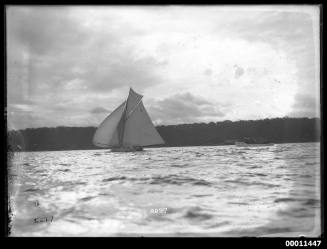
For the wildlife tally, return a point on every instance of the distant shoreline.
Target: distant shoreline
(277, 131)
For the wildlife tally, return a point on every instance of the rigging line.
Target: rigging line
(121, 124)
(131, 112)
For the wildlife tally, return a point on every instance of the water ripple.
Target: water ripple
(182, 191)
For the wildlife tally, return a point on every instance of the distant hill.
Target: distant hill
(277, 130)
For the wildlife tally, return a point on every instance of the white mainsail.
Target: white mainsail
(139, 129)
(128, 125)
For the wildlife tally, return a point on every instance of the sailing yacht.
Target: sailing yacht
(128, 127)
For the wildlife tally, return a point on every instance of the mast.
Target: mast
(128, 105)
(121, 126)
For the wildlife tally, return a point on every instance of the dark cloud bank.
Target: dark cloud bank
(184, 108)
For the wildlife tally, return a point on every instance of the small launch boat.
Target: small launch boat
(128, 128)
(243, 144)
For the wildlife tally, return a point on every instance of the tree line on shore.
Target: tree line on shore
(277, 130)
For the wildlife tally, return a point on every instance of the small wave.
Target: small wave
(168, 179)
(278, 200)
(80, 183)
(297, 158)
(66, 212)
(114, 179)
(306, 176)
(239, 152)
(65, 164)
(87, 198)
(178, 180)
(107, 194)
(64, 170)
(252, 183)
(300, 212)
(308, 184)
(69, 184)
(277, 230)
(258, 231)
(311, 202)
(31, 190)
(219, 224)
(201, 195)
(196, 213)
(180, 165)
(259, 174)
(238, 203)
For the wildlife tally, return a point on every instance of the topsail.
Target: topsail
(128, 125)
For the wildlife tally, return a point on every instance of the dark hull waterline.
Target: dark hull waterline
(126, 149)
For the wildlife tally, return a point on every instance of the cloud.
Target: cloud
(56, 57)
(183, 108)
(49, 47)
(305, 105)
(98, 110)
(65, 61)
(45, 31)
(239, 71)
(294, 31)
(74, 84)
(208, 72)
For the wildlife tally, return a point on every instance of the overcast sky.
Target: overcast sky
(71, 66)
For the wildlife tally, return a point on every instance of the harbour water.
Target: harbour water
(218, 191)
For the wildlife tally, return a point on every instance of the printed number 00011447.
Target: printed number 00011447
(315, 243)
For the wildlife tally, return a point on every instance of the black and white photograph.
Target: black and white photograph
(163, 120)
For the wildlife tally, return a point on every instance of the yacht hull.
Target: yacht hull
(126, 149)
